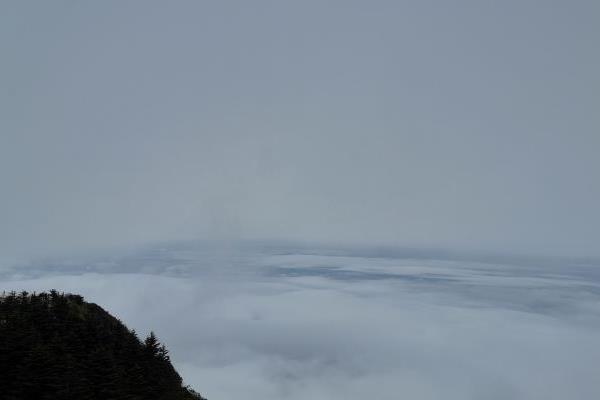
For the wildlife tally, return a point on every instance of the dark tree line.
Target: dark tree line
(57, 346)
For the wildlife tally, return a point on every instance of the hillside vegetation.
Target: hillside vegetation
(57, 346)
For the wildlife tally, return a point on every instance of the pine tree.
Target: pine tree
(57, 346)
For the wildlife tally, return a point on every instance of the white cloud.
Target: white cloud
(492, 332)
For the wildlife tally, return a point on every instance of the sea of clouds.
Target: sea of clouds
(268, 322)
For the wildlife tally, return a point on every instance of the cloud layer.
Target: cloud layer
(309, 325)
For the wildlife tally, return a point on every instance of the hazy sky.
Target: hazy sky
(466, 124)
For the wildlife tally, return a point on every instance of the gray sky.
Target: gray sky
(468, 125)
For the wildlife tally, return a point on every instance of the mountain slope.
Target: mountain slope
(57, 346)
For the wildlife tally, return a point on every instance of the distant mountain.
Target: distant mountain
(57, 346)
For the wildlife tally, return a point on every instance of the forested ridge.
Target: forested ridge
(57, 346)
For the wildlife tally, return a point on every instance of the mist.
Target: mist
(465, 126)
(315, 199)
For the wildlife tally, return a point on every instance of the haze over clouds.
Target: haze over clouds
(262, 183)
(301, 324)
(462, 125)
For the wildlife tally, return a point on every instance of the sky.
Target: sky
(287, 193)
(463, 125)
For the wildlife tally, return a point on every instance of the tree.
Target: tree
(57, 346)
